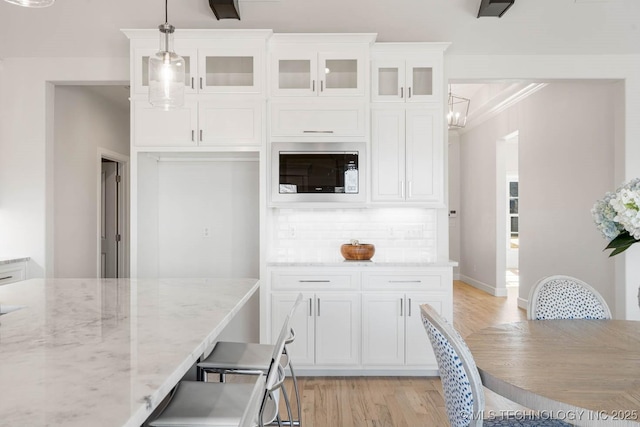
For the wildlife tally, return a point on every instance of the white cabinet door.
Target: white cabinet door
(337, 329)
(424, 157)
(388, 81)
(303, 323)
(407, 155)
(295, 74)
(230, 70)
(140, 69)
(418, 347)
(342, 74)
(311, 120)
(405, 81)
(388, 155)
(383, 328)
(154, 127)
(230, 123)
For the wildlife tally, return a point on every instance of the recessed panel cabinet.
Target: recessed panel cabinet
(204, 123)
(405, 81)
(327, 327)
(407, 155)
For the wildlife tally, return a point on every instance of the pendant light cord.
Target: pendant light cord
(166, 11)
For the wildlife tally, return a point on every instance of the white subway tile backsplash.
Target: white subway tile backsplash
(400, 234)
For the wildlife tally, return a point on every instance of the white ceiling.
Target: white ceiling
(92, 27)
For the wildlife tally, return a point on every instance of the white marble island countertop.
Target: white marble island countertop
(91, 352)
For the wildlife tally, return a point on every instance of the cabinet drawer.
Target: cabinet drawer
(312, 120)
(12, 273)
(403, 281)
(315, 280)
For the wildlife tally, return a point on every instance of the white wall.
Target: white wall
(178, 198)
(85, 121)
(208, 219)
(454, 200)
(26, 149)
(566, 163)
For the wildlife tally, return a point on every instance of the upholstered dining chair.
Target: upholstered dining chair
(229, 357)
(565, 297)
(204, 404)
(461, 383)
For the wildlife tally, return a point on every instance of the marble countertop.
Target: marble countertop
(105, 352)
(12, 260)
(360, 264)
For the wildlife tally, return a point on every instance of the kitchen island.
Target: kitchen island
(105, 352)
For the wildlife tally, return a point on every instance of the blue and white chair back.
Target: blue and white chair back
(461, 383)
(565, 297)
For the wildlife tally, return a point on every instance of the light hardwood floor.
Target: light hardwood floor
(404, 401)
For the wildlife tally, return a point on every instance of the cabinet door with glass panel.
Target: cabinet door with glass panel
(405, 81)
(318, 74)
(211, 70)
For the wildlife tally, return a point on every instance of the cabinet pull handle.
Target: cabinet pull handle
(409, 189)
(7, 277)
(321, 85)
(313, 85)
(401, 310)
(402, 92)
(192, 83)
(310, 307)
(318, 307)
(317, 131)
(314, 281)
(200, 83)
(409, 92)
(193, 135)
(200, 135)
(405, 281)
(402, 189)
(409, 308)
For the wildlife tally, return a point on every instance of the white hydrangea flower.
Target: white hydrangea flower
(626, 203)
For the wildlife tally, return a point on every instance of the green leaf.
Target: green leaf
(621, 243)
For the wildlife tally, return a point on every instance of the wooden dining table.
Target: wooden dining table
(586, 372)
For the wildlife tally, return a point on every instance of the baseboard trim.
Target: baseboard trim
(311, 372)
(523, 303)
(491, 290)
(456, 276)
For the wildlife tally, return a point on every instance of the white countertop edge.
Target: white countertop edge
(13, 260)
(156, 398)
(360, 264)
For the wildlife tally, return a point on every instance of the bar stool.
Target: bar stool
(251, 358)
(203, 404)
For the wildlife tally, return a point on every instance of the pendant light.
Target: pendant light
(458, 111)
(32, 3)
(166, 71)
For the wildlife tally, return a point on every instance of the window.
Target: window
(513, 215)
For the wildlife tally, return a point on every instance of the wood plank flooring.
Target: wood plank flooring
(404, 401)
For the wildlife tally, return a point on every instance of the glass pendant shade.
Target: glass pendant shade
(32, 3)
(166, 73)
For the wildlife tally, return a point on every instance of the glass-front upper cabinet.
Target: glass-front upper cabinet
(211, 70)
(318, 74)
(404, 81)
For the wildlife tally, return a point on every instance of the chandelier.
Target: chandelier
(458, 111)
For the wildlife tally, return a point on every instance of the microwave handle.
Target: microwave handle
(317, 131)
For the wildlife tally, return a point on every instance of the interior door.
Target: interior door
(109, 216)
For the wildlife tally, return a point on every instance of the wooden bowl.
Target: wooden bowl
(360, 252)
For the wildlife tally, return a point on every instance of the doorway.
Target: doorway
(112, 211)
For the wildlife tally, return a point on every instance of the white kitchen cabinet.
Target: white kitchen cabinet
(211, 66)
(319, 65)
(407, 72)
(312, 73)
(205, 123)
(327, 326)
(392, 330)
(13, 272)
(326, 120)
(405, 81)
(407, 155)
